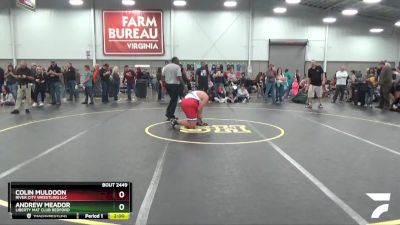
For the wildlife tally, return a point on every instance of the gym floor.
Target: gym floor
(258, 164)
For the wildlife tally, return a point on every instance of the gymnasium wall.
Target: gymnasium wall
(5, 39)
(203, 30)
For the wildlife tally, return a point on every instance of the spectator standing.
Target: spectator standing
(350, 82)
(186, 82)
(2, 78)
(105, 74)
(33, 69)
(25, 80)
(260, 78)
(385, 82)
(315, 78)
(11, 81)
(160, 85)
(341, 83)
(40, 87)
(33, 72)
(202, 78)
(270, 80)
(289, 79)
(96, 81)
(372, 82)
(88, 85)
(130, 78)
(139, 74)
(115, 82)
(71, 84)
(280, 86)
(172, 76)
(54, 77)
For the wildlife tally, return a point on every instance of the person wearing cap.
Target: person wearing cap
(54, 73)
(105, 73)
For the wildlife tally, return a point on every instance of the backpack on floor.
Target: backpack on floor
(300, 98)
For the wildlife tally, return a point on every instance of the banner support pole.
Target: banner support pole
(93, 26)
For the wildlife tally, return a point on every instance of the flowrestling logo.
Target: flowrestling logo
(379, 197)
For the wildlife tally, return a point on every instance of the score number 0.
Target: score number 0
(121, 194)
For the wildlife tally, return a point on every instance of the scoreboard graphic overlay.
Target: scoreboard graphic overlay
(70, 200)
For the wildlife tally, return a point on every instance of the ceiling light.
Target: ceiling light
(230, 3)
(350, 12)
(280, 10)
(371, 1)
(128, 2)
(329, 19)
(376, 30)
(179, 3)
(293, 1)
(76, 2)
(397, 23)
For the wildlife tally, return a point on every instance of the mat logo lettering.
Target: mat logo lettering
(218, 129)
(379, 197)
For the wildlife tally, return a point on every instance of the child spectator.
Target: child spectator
(6, 97)
(295, 87)
(220, 95)
(243, 95)
(232, 94)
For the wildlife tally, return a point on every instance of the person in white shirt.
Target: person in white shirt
(341, 83)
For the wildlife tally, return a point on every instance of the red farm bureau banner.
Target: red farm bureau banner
(138, 33)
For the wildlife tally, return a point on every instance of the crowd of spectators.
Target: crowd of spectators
(30, 85)
(379, 84)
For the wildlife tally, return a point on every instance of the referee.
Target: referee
(172, 76)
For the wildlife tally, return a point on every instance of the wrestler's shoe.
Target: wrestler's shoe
(174, 122)
(200, 123)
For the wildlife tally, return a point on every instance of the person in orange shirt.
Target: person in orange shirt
(96, 81)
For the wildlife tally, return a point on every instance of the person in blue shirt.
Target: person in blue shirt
(289, 79)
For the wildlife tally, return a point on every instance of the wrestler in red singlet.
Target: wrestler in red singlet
(192, 105)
